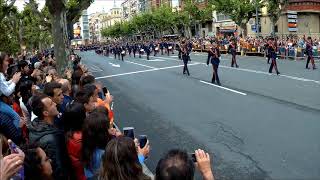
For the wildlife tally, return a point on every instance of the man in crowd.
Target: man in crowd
(177, 164)
(51, 139)
(54, 91)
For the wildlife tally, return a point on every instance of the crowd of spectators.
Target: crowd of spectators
(286, 46)
(61, 126)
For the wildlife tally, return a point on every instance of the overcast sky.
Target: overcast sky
(96, 6)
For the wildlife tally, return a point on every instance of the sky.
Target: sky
(96, 6)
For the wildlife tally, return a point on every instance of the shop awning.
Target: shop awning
(227, 30)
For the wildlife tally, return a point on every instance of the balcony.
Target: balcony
(312, 6)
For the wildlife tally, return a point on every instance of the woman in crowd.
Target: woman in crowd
(37, 166)
(120, 161)
(73, 119)
(7, 87)
(95, 137)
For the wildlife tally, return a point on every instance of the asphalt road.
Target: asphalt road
(258, 126)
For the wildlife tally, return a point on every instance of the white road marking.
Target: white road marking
(228, 89)
(174, 56)
(266, 73)
(148, 70)
(168, 58)
(141, 65)
(269, 74)
(114, 65)
(95, 67)
(156, 60)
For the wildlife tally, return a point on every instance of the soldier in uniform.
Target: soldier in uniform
(161, 47)
(146, 48)
(123, 52)
(134, 49)
(273, 56)
(213, 57)
(233, 51)
(310, 54)
(129, 47)
(185, 58)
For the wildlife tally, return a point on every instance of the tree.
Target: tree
(274, 8)
(59, 10)
(240, 11)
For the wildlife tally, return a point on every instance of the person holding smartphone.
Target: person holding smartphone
(11, 164)
(177, 164)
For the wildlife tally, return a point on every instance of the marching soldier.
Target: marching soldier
(273, 56)
(233, 51)
(161, 47)
(310, 54)
(213, 57)
(134, 49)
(185, 58)
(123, 52)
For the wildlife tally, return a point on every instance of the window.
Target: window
(276, 28)
(222, 17)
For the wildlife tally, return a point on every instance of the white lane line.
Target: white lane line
(155, 60)
(269, 74)
(95, 67)
(114, 65)
(168, 58)
(141, 65)
(228, 89)
(136, 72)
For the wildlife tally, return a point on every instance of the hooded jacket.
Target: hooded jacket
(52, 141)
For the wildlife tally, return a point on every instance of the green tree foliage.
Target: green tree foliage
(240, 11)
(8, 36)
(274, 8)
(159, 21)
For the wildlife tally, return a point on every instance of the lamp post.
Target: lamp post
(257, 19)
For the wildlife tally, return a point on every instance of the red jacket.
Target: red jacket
(74, 145)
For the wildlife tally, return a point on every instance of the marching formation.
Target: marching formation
(184, 47)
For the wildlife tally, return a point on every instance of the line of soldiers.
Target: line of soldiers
(121, 49)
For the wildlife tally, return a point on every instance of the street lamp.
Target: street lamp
(257, 20)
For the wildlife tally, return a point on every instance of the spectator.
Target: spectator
(7, 87)
(37, 166)
(74, 117)
(23, 67)
(54, 91)
(120, 161)
(9, 120)
(10, 165)
(87, 98)
(51, 139)
(176, 164)
(95, 137)
(66, 91)
(88, 79)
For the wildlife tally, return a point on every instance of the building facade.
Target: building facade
(298, 18)
(130, 8)
(84, 27)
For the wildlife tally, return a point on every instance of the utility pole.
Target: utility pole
(257, 19)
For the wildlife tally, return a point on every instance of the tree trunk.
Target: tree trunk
(70, 30)
(244, 28)
(60, 39)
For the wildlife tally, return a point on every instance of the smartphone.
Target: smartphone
(13, 148)
(128, 132)
(105, 90)
(143, 140)
(193, 157)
